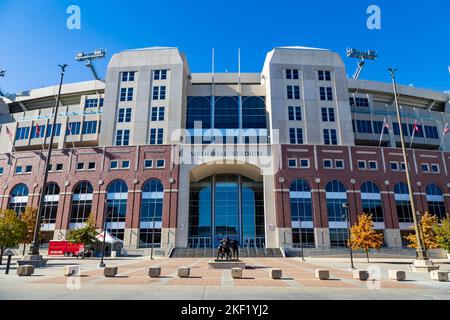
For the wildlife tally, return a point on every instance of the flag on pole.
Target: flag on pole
(38, 135)
(10, 135)
(415, 130)
(385, 126)
(444, 134)
(69, 127)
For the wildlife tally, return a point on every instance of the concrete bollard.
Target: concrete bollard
(71, 271)
(276, 273)
(236, 273)
(362, 275)
(154, 272)
(439, 276)
(25, 270)
(397, 275)
(110, 272)
(322, 274)
(184, 272)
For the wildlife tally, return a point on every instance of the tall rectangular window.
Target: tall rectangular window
(124, 115)
(328, 115)
(122, 137)
(128, 76)
(293, 92)
(159, 93)
(126, 94)
(158, 113)
(324, 75)
(160, 75)
(329, 137)
(156, 136)
(295, 113)
(292, 74)
(326, 93)
(296, 135)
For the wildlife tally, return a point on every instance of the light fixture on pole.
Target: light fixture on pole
(346, 216)
(2, 73)
(362, 56)
(422, 262)
(89, 57)
(34, 256)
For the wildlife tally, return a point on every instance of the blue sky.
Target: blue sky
(34, 37)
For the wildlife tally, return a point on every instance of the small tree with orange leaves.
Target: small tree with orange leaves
(363, 235)
(427, 232)
(29, 218)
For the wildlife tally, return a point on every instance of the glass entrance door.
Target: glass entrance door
(226, 208)
(226, 205)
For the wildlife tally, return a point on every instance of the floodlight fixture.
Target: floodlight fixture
(2, 73)
(362, 56)
(89, 57)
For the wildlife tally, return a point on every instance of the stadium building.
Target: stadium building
(184, 159)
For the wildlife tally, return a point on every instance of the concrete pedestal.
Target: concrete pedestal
(424, 266)
(36, 261)
(226, 264)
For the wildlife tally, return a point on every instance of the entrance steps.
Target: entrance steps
(244, 252)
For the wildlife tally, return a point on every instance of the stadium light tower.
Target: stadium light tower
(2, 74)
(362, 56)
(89, 57)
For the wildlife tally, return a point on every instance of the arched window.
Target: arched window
(226, 113)
(18, 198)
(81, 202)
(151, 213)
(402, 203)
(198, 110)
(51, 201)
(435, 201)
(301, 213)
(371, 201)
(117, 208)
(336, 195)
(254, 113)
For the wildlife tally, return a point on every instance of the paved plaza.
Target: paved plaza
(298, 281)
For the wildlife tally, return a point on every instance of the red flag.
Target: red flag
(416, 127)
(446, 129)
(38, 131)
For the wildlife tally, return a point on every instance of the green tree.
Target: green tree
(86, 235)
(443, 234)
(29, 218)
(12, 230)
(363, 235)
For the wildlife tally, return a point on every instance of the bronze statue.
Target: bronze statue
(224, 249)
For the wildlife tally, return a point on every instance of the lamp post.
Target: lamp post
(281, 180)
(346, 216)
(105, 218)
(300, 236)
(34, 248)
(153, 237)
(421, 253)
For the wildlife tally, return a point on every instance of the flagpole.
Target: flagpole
(34, 248)
(382, 132)
(421, 253)
(10, 138)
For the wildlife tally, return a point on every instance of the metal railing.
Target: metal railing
(199, 242)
